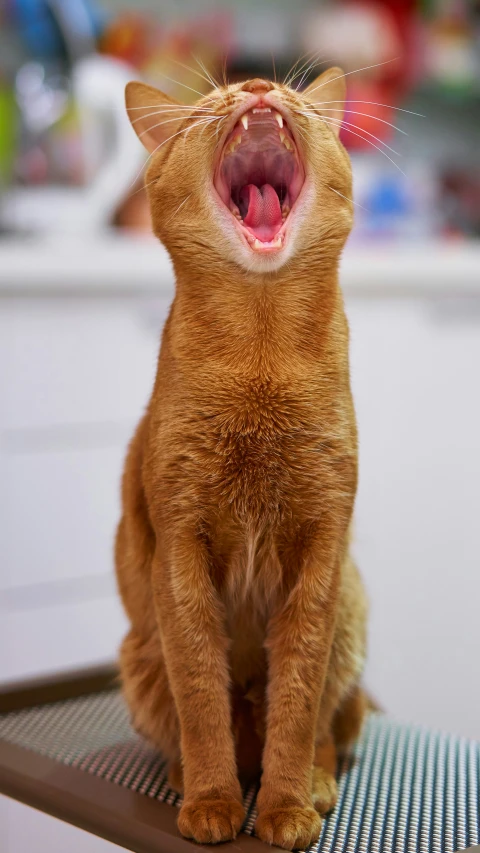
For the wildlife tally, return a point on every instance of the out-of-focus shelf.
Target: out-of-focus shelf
(130, 265)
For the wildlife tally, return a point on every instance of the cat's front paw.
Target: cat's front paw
(211, 821)
(292, 827)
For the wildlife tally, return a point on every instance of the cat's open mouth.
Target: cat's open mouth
(259, 177)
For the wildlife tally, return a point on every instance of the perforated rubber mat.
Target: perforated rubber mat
(403, 789)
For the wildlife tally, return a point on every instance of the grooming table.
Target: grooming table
(67, 748)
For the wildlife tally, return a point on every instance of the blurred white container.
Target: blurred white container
(98, 87)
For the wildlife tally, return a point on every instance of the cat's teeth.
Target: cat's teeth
(279, 119)
(244, 120)
(272, 244)
(261, 110)
(285, 140)
(233, 144)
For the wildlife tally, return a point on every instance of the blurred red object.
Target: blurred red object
(132, 38)
(374, 43)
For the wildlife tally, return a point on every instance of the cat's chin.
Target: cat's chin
(258, 180)
(260, 260)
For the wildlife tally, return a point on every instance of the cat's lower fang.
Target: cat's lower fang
(233, 144)
(285, 141)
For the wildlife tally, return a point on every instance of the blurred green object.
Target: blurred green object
(8, 133)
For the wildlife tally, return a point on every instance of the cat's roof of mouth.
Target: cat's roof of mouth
(260, 175)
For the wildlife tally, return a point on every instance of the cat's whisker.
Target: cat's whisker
(224, 70)
(372, 103)
(178, 208)
(379, 149)
(273, 66)
(144, 186)
(194, 71)
(206, 123)
(179, 83)
(220, 119)
(313, 58)
(217, 128)
(304, 75)
(160, 106)
(367, 115)
(334, 123)
(347, 198)
(305, 68)
(348, 124)
(302, 133)
(355, 71)
(176, 107)
(169, 120)
(316, 61)
(164, 142)
(291, 70)
(209, 76)
(183, 116)
(300, 64)
(342, 123)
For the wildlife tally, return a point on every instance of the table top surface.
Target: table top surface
(67, 748)
(119, 262)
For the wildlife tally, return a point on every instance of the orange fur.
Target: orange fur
(247, 612)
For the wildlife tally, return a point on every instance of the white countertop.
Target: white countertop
(131, 264)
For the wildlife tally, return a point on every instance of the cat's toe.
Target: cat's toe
(292, 828)
(324, 790)
(211, 821)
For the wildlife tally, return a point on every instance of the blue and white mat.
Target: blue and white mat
(403, 789)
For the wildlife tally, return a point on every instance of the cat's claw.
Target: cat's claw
(292, 828)
(211, 821)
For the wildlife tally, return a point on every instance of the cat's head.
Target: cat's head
(253, 173)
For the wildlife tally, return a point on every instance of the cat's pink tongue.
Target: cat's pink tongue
(264, 215)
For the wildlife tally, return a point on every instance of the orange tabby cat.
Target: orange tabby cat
(247, 613)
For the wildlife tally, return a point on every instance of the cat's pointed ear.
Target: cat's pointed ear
(152, 114)
(328, 92)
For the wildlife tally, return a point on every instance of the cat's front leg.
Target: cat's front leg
(195, 647)
(298, 644)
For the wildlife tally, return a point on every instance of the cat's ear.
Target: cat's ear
(152, 114)
(329, 91)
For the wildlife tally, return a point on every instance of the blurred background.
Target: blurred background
(85, 289)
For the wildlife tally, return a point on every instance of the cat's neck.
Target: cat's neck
(253, 323)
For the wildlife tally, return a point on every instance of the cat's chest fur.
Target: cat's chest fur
(264, 440)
